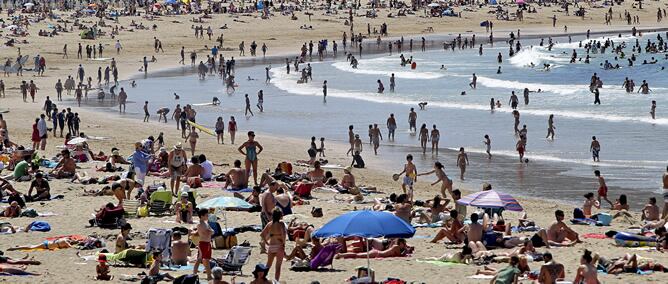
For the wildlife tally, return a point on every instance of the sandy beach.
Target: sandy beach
(284, 39)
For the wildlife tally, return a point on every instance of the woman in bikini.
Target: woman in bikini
(446, 182)
(275, 235)
(192, 139)
(232, 128)
(251, 149)
(62, 243)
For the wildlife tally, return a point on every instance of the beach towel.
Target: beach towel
(439, 263)
(213, 184)
(480, 277)
(594, 236)
(39, 226)
(188, 267)
(516, 229)
(428, 225)
(233, 190)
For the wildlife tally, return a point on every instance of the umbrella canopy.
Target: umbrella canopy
(366, 224)
(491, 199)
(29, 4)
(170, 2)
(76, 140)
(224, 202)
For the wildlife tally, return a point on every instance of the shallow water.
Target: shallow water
(634, 152)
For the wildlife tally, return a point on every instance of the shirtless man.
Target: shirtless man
(391, 127)
(595, 148)
(412, 120)
(454, 232)
(602, 188)
(180, 250)
(665, 194)
(122, 98)
(204, 247)
(514, 101)
(122, 238)
(586, 273)
(410, 178)
(550, 127)
(236, 177)
(462, 162)
(66, 168)
(376, 136)
(434, 137)
(650, 212)
(474, 231)
(559, 234)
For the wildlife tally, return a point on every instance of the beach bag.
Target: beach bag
(304, 190)
(316, 212)
(142, 211)
(578, 214)
(39, 226)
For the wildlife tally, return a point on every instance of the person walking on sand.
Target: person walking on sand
(220, 130)
(434, 137)
(147, 115)
(462, 162)
(488, 146)
(232, 128)
(595, 148)
(251, 149)
(391, 127)
(351, 139)
(376, 136)
(410, 177)
(204, 232)
(550, 127)
(192, 139)
(602, 192)
(248, 106)
(412, 120)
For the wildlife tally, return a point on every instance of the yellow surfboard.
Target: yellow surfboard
(202, 128)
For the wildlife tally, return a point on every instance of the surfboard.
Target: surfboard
(202, 128)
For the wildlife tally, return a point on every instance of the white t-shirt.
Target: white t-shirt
(208, 170)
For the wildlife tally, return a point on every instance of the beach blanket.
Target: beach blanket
(480, 277)
(213, 184)
(594, 236)
(232, 190)
(188, 267)
(439, 263)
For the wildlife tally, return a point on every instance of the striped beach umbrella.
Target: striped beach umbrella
(491, 199)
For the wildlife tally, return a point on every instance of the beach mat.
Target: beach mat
(213, 184)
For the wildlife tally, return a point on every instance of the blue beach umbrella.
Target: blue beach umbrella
(225, 202)
(170, 2)
(366, 224)
(491, 199)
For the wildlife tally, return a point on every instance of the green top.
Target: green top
(21, 169)
(506, 275)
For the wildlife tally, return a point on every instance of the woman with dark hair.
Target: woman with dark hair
(446, 182)
(275, 235)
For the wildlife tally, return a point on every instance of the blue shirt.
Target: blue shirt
(140, 160)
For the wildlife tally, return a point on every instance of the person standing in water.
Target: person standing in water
(248, 106)
(381, 88)
(260, 100)
(462, 162)
(513, 102)
(488, 146)
(526, 96)
(602, 188)
(474, 81)
(147, 115)
(392, 83)
(412, 119)
(652, 110)
(434, 136)
(597, 98)
(595, 148)
(251, 149)
(424, 137)
(550, 127)
(516, 115)
(324, 90)
(391, 127)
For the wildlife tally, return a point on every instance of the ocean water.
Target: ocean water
(634, 150)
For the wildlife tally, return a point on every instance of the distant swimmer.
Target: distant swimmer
(176, 97)
(652, 110)
(422, 105)
(215, 101)
(550, 127)
(381, 88)
(595, 148)
(133, 84)
(488, 146)
(463, 93)
(498, 71)
(474, 81)
(443, 67)
(412, 119)
(250, 79)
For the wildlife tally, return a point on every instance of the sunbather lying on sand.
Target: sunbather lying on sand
(397, 250)
(62, 243)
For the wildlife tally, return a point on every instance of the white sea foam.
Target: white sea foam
(384, 67)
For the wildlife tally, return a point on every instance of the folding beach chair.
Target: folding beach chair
(236, 258)
(130, 207)
(160, 202)
(325, 256)
(160, 239)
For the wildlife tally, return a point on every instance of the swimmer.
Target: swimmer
(133, 84)
(176, 97)
(215, 101)
(422, 105)
(250, 79)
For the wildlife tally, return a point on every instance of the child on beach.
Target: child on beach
(589, 202)
(154, 271)
(102, 268)
(204, 247)
(411, 177)
(322, 147)
(602, 188)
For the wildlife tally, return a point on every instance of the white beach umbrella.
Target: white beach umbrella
(29, 4)
(77, 140)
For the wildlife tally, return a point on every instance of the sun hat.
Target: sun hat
(102, 258)
(184, 194)
(115, 153)
(348, 169)
(260, 268)
(178, 146)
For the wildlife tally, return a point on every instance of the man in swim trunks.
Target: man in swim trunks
(411, 177)
(602, 188)
(204, 247)
(42, 188)
(412, 120)
(376, 136)
(595, 148)
(391, 127)
(559, 234)
(351, 139)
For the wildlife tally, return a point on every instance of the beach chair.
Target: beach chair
(236, 258)
(160, 202)
(160, 239)
(325, 256)
(108, 218)
(130, 207)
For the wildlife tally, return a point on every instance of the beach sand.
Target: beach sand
(283, 37)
